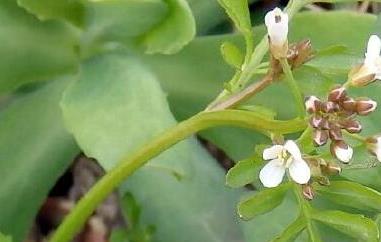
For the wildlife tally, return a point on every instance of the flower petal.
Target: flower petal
(276, 22)
(272, 173)
(293, 149)
(373, 49)
(272, 152)
(300, 172)
(344, 154)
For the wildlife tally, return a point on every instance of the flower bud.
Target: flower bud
(365, 106)
(318, 121)
(308, 192)
(331, 169)
(299, 53)
(374, 146)
(335, 133)
(329, 107)
(320, 137)
(312, 104)
(349, 105)
(341, 151)
(337, 94)
(276, 22)
(350, 125)
(360, 76)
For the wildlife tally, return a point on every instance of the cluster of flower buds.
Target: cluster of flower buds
(329, 118)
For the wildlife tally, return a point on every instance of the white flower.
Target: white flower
(370, 70)
(277, 26)
(284, 157)
(374, 146)
(372, 60)
(342, 151)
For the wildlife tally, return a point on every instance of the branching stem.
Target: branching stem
(75, 220)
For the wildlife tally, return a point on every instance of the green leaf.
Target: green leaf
(356, 226)
(262, 202)
(244, 172)
(35, 149)
(238, 11)
(70, 10)
(292, 231)
(232, 54)
(351, 194)
(116, 107)
(174, 32)
(33, 50)
(120, 20)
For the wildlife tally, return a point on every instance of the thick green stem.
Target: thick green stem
(293, 87)
(75, 220)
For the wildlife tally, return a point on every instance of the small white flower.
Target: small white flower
(342, 151)
(374, 146)
(372, 56)
(370, 70)
(284, 157)
(277, 26)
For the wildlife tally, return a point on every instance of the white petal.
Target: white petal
(345, 155)
(272, 173)
(299, 171)
(293, 149)
(272, 152)
(374, 48)
(277, 31)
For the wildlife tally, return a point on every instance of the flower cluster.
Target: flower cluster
(338, 113)
(329, 119)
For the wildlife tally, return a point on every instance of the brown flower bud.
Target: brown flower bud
(350, 125)
(308, 192)
(323, 180)
(337, 94)
(365, 106)
(329, 107)
(312, 104)
(300, 53)
(335, 133)
(319, 122)
(320, 137)
(349, 104)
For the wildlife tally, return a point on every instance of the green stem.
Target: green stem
(250, 66)
(293, 87)
(305, 209)
(75, 220)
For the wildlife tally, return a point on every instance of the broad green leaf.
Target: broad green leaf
(110, 128)
(35, 149)
(351, 194)
(120, 20)
(232, 54)
(174, 32)
(32, 50)
(262, 202)
(355, 225)
(70, 10)
(238, 11)
(292, 231)
(244, 172)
